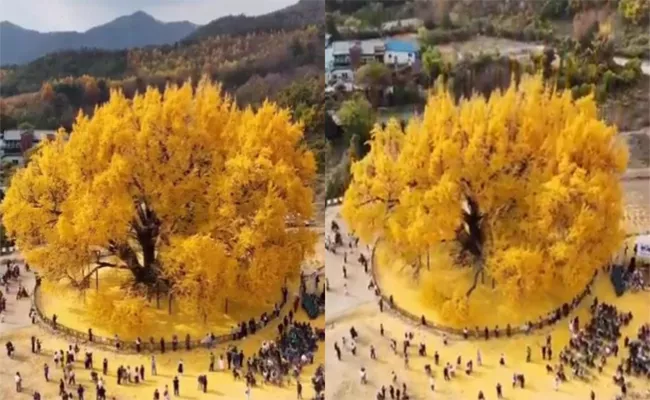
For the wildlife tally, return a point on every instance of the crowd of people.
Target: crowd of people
(588, 349)
(11, 274)
(276, 362)
(638, 360)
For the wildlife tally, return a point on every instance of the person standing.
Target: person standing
(499, 391)
(180, 367)
(299, 390)
(176, 385)
(105, 366)
(46, 372)
(80, 392)
(211, 369)
(154, 370)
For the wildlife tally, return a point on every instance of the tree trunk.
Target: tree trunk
(226, 306)
(169, 306)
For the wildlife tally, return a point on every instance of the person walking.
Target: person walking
(154, 370)
(19, 382)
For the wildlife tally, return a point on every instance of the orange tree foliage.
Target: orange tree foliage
(526, 183)
(187, 191)
(232, 60)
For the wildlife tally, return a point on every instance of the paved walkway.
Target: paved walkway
(338, 303)
(17, 312)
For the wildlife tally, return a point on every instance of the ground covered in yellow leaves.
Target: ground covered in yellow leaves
(220, 384)
(343, 377)
(432, 293)
(139, 318)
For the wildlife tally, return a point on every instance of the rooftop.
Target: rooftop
(14, 134)
(401, 46)
(367, 46)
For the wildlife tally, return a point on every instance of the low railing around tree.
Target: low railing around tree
(547, 320)
(151, 344)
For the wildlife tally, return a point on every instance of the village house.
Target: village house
(16, 143)
(400, 52)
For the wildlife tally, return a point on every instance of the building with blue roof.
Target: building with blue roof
(400, 52)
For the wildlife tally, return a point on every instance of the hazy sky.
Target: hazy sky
(80, 15)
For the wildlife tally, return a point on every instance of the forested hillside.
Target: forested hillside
(285, 65)
(230, 59)
(296, 16)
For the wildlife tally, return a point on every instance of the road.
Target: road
(338, 303)
(17, 313)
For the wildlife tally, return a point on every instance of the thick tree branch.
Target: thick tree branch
(476, 275)
(99, 265)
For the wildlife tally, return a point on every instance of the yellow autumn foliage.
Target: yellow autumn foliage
(183, 189)
(542, 168)
(125, 316)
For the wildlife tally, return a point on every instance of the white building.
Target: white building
(400, 52)
(412, 23)
(16, 142)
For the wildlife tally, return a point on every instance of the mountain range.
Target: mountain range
(295, 16)
(19, 45)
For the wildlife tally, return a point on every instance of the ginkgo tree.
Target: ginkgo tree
(183, 189)
(523, 185)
